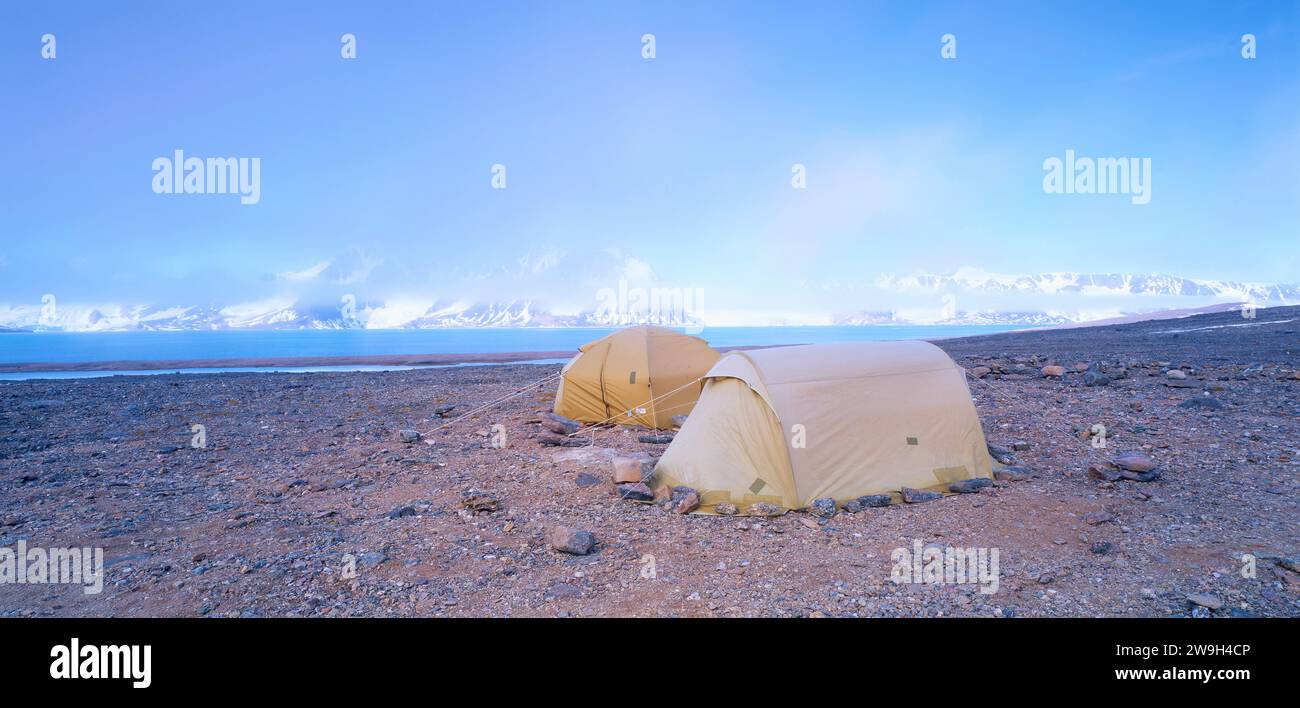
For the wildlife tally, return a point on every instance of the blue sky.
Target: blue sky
(375, 172)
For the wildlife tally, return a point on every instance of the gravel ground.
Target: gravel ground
(305, 501)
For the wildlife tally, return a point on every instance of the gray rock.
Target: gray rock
(560, 425)
(678, 421)
(1001, 454)
(402, 511)
(586, 479)
(569, 540)
(559, 591)
(1101, 548)
(917, 496)
(635, 491)
(764, 509)
(655, 439)
(409, 436)
(1013, 473)
(824, 507)
(1094, 518)
(1206, 600)
(725, 509)
(372, 560)
(1134, 462)
(552, 441)
(970, 486)
(685, 500)
(852, 506)
(1205, 401)
(1095, 378)
(1105, 473)
(1147, 476)
(875, 500)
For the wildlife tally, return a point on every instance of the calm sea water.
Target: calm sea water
(152, 346)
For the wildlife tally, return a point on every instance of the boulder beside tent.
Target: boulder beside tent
(788, 425)
(635, 376)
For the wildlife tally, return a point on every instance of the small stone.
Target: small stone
(980, 372)
(1020, 446)
(1205, 401)
(560, 425)
(479, 503)
(1095, 378)
(586, 479)
(763, 509)
(371, 560)
(725, 509)
(1104, 472)
(561, 591)
(852, 506)
(685, 500)
(637, 492)
(1050, 371)
(970, 486)
(554, 441)
(1013, 473)
(402, 511)
(824, 507)
(1176, 374)
(1001, 454)
(917, 496)
(570, 540)
(1097, 517)
(1205, 600)
(875, 500)
(1140, 476)
(1101, 548)
(1134, 462)
(631, 470)
(409, 436)
(655, 439)
(444, 411)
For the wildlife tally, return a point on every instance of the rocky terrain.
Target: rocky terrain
(305, 497)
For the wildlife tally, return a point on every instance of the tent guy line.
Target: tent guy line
(490, 404)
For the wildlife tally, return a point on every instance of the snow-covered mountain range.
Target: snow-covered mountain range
(967, 296)
(1095, 284)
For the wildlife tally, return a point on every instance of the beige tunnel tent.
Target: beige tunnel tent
(635, 376)
(788, 425)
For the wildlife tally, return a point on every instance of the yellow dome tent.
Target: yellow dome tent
(788, 425)
(635, 376)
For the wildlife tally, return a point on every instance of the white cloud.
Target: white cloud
(305, 275)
